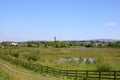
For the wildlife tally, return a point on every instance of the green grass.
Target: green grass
(22, 73)
(4, 75)
(51, 56)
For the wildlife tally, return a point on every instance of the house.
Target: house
(1, 46)
(13, 43)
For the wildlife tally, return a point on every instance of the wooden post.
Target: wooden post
(66, 72)
(115, 75)
(76, 75)
(86, 75)
(28, 65)
(53, 71)
(99, 75)
(41, 69)
(35, 67)
(31, 66)
(47, 69)
(59, 72)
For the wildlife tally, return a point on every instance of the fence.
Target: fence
(76, 74)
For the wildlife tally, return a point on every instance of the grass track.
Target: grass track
(10, 72)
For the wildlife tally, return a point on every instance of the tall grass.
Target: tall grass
(51, 56)
(5, 76)
(102, 65)
(15, 54)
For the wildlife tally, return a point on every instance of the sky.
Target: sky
(25, 20)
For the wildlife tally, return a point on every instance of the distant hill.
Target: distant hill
(106, 40)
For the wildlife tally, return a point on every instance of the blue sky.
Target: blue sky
(23, 20)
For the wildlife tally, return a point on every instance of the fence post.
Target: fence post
(35, 68)
(99, 75)
(115, 75)
(66, 72)
(53, 71)
(31, 66)
(47, 69)
(76, 75)
(86, 75)
(41, 69)
(59, 72)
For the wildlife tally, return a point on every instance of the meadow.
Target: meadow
(68, 58)
(10, 71)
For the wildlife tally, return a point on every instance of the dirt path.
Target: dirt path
(17, 72)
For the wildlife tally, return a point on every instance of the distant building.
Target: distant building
(55, 38)
(1, 46)
(14, 43)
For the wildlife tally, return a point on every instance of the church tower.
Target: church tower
(54, 38)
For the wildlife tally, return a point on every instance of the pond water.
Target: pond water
(64, 51)
(68, 59)
(89, 48)
(84, 60)
(83, 48)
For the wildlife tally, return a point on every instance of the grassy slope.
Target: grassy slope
(5, 75)
(19, 73)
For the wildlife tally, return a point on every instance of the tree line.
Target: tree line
(63, 44)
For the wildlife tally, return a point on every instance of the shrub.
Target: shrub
(15, 54)
(87, 61)
(72, 62)
(102, 65)
(80, 60)
(6, 51)
(32, 56)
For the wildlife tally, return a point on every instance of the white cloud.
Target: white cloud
(112, 24)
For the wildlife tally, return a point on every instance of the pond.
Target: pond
(89, 48)
(64, 51)
(84, 60)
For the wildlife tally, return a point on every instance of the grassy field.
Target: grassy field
(4, 75)
(10, 71)
(109, 57)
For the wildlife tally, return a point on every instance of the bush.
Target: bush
(80, 60)
(6, 51)
(102, 65)
(32, 56)
(72, 62)
(87, 61)
(15, 54)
